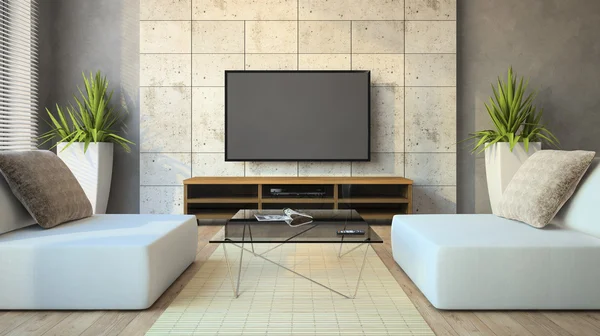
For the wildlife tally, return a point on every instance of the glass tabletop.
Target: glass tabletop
(243, 227)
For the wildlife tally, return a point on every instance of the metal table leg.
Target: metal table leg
(251, 240)
(242, 249)
(237, 291)
(361, 270)
(342, 243)
(229, 269)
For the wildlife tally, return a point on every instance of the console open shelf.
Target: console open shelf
(297, 200)
(223, 200)
(377, 198)
(374, 200)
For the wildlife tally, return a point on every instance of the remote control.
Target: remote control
(351, 232)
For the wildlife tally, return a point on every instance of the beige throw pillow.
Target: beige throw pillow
(45, 186)
(542, 185)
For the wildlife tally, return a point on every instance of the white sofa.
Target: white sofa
(101, 262)
(488, 262)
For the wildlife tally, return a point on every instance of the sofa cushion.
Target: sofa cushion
(489, 231)
(45, 186)
(581, 211)
(14, 215)
(99, 262)
(489, 262)
(542, 185)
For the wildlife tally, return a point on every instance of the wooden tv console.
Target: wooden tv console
(373, 197)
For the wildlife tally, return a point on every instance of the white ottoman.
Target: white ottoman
(101, 262)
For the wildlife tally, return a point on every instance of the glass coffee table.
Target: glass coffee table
(244, 231)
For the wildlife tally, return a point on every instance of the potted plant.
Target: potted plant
(86, 136)
(517, 135)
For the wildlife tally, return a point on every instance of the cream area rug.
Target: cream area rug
(274, 301)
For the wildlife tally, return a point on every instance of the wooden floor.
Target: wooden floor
(128, 323)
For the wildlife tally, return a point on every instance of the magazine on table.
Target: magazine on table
(291, 217)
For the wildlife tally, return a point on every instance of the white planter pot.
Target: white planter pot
(501, 165)
(93, 170)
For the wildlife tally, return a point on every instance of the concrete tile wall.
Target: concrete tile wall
(409, 46)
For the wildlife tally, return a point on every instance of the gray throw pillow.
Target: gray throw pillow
(14, 215)
(45, 186)
(542, 185)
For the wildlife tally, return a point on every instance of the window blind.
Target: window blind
(18, 74)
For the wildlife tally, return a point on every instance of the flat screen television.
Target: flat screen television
(297, 115)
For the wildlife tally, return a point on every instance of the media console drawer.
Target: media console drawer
(375, 198)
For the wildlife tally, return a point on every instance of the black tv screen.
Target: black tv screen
(297, 115)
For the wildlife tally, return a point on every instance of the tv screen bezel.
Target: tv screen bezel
(367, 159)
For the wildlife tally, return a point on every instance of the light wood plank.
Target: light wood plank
(297, 180)
(409, 210)
(336, 196)
(467, 323)
(502, 324)
(575, 323)
(591, 317)
(185, 199)
(260, 197)
(13, 319)
(39, 324)
(110, 323)
(74, 324)
(538, 324)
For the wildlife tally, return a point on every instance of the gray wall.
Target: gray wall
(554, 42)
(88, 35)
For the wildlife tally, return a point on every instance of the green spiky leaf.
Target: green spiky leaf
(91, 120)
(515, 117)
